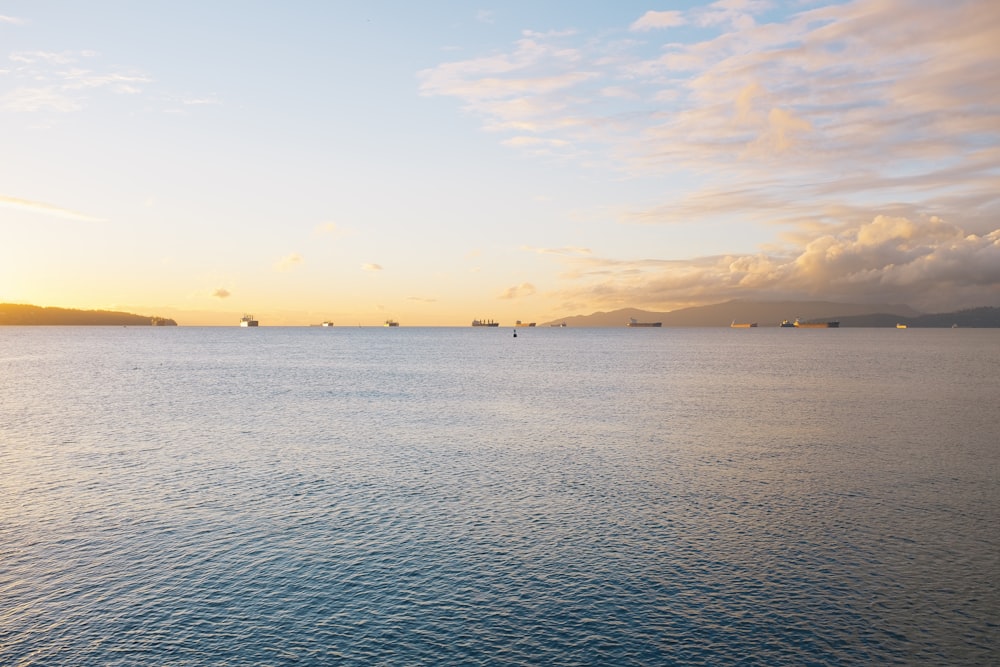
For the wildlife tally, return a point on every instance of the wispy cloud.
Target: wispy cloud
(222, 293)
(27, 100)
(518, 291)
(46, 209)
(421, 299)
(12, 20)
(568, 250)
(867, 91)
(289, 262)
(371, 267)
(68, 81)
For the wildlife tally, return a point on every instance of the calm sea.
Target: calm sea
(439, 496)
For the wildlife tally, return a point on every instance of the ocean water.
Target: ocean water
(438, 496)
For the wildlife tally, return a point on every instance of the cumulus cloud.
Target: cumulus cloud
(46, 209)
(221, 293)
(371, 267)
(929, 264)
(289, 261)
(518, 291)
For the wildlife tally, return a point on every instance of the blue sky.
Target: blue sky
(435, 162)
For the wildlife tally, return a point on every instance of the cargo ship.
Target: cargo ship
(248, 321)
(485, 323)
(742, 325)
(391, 323)
(519, 323)
(632, 322)
(813, 325)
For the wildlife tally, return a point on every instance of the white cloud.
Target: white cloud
(12, 20)
(653, 20)
(371, 267)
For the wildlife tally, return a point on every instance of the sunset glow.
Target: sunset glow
(433, 163)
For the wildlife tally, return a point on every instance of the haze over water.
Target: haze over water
(410, 496)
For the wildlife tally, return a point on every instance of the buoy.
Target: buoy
(515, 333)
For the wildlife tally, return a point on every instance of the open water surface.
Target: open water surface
(299, 496)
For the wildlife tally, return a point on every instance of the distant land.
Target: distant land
(771, 313)
(23, 314)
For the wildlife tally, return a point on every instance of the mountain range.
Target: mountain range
(771, 314)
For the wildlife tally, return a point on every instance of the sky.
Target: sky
(441, 161)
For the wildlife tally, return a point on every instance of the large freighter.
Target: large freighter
(485, 323)
(635, 323)
(798, 324)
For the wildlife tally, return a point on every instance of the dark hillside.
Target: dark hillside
(27, 315)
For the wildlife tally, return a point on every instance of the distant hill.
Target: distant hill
(23, 314)
(765, 313)
(972, 318)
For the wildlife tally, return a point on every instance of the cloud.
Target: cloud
(221, 293)
(62, 58)
(927, 263)
(653, 20)
(330, 229)
(867, 92)
(289, 261)
(12, 20)
(46, 209)
(371, 267)
(519, 291)
(68, 81)
(421, 299)
(27, 100)
(568, 250)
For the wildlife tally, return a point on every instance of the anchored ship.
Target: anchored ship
(632, 322)
(248, 321)
(798, 324)
(485, 323)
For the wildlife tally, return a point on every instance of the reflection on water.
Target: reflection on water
(432, 496)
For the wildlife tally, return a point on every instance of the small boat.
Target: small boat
(900, 325)
(248, 321)
(327, 324)
(632, 322)
(785, 324)
(560, 325)
(742, 325)
(391, 323)
(485, 323)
